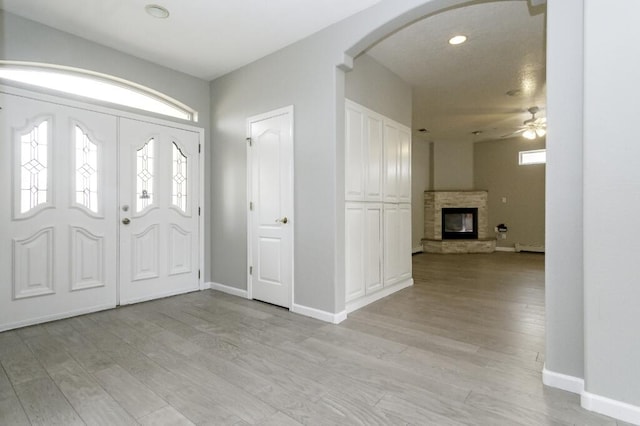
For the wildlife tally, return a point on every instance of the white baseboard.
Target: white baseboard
(562, 381)
(318, 314)
(205, 286)
(229, 290)
(506, 249)
(610, 407)
(370, 298)
(599, 404)
(55, 317)
(417, 249)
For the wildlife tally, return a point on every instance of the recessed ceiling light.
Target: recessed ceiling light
(514, 92)
(423, 130)
(459, 39)
(157, 11)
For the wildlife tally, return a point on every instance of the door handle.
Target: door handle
(283, 220)
(126, 221)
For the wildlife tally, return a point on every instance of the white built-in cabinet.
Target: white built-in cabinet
(377, 205)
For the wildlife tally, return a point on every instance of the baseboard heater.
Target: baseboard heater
(529, 247)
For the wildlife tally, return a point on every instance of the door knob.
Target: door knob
(283, 220)
(126, 221)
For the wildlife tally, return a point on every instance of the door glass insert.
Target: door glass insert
(179, 190)
(33, 167)
(86, 171)
(145, 162)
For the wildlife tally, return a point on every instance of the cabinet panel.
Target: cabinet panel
(354, 245)
(404, 165)
(405, 269)
(391, 147)
(373, 247)
(374, 157)
(391, 243)
(354, 153)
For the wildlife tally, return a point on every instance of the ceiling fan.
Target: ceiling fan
(533, 127)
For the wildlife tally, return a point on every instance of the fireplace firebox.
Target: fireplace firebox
(459, 223)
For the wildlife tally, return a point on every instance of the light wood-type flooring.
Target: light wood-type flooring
(464, 345)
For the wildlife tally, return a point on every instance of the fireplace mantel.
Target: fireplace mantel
(435, 201)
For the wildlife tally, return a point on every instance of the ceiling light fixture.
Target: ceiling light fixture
(459, 39)
(157, 11)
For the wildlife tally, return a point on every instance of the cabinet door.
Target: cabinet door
(373, 248)
(391, 244)
(374, 156)
(404, 165)
(404, 254)
(354, 152)
(354, 249)
(391, 148)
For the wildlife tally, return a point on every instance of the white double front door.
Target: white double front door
(96, 210)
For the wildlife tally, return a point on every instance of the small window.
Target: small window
(536, 156)
(97, 86)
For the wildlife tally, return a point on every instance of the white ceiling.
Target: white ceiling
(461, 89)
(204, 38)
(457, 89)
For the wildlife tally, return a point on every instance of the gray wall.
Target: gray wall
(377, 88)
(303, 75)
(564, 186)
(420, 178)
(453, 166)
(611, 201)
(496, 169)
(24, 40)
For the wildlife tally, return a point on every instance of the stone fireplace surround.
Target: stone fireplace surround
(435, 201)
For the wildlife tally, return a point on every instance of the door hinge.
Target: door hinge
(251, 205)
(250, 270)
(198, 273)
(198, 211)
(250, 141)
(199, 148)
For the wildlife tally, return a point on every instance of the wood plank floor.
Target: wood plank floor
(464, 345)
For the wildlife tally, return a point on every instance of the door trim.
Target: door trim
(276, 112)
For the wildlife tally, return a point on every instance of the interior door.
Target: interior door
(58, 212)
(271, 207)
(158, 209)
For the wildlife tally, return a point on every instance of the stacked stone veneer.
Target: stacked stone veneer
(435, 201)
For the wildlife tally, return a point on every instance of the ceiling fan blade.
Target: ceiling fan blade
(512, 134)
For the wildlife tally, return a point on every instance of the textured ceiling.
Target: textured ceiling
(204, 38)
(462, 89)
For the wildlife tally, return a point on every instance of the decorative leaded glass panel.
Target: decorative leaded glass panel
(33, 167)
(145, 162)
(86, 171)
(179, 179)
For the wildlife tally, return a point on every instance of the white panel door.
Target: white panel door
(355, 229)
(391, 154)
(270, 160)
(391, 244)
(373, 247)
(405, 252)
(158, 211)
(374, 156)
(404, 165)
(58, 216)
(354, 152)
